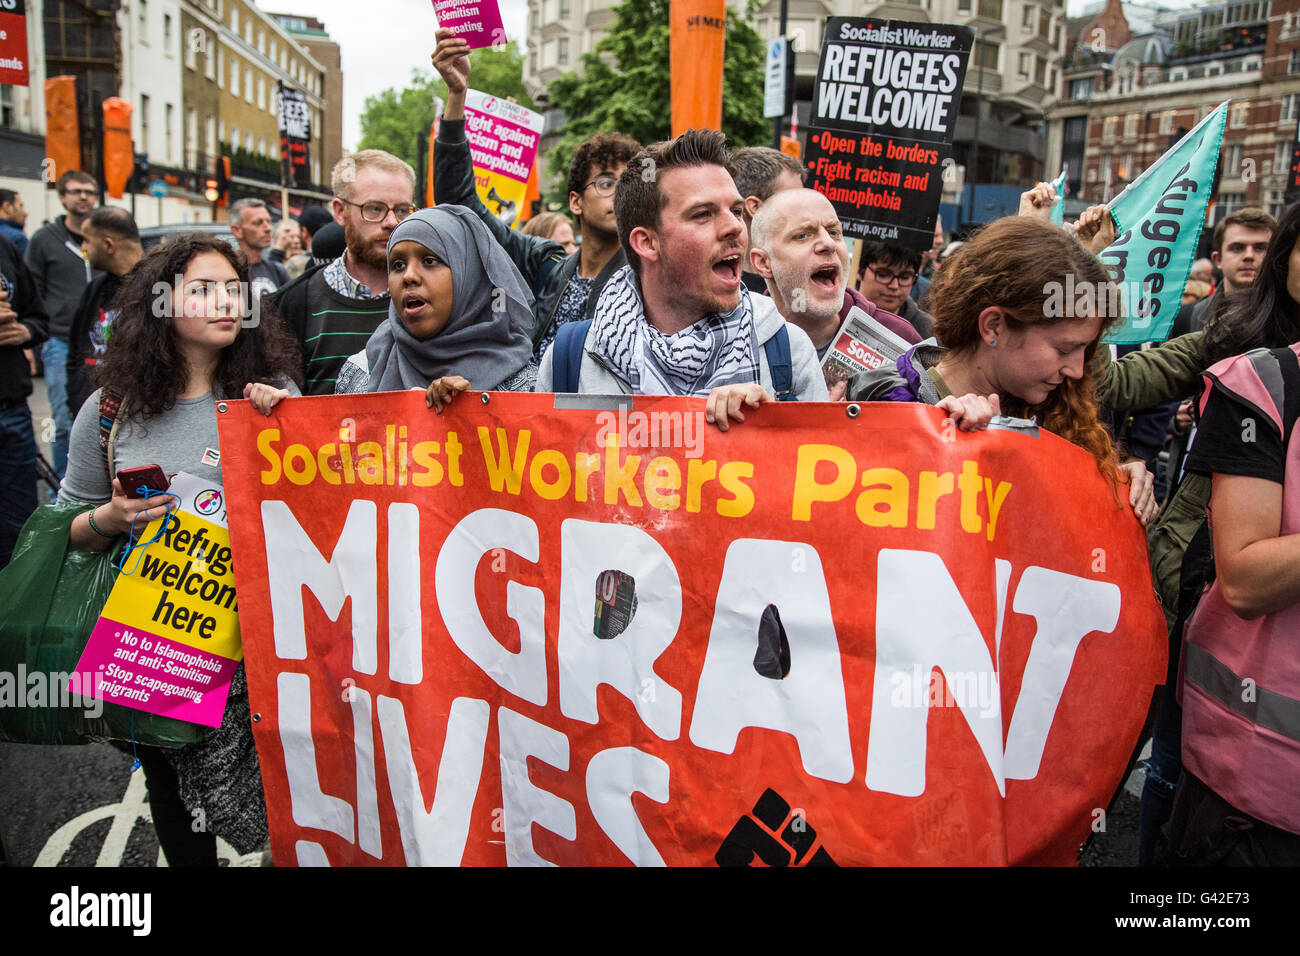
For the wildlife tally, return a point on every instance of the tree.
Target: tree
(625, 85)
(394, 118)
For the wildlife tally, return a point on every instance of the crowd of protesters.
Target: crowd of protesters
(716, 275)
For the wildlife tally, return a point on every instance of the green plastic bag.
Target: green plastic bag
(50, 599)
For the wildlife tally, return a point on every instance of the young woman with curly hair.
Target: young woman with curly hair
(1019, 313)
(184, 338)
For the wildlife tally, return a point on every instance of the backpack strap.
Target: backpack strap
(566, 357)
(1279, 370)
(777, 350)
(112, 409)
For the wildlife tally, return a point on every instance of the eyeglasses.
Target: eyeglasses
(377, 211)
(604, 185)
(885, 277)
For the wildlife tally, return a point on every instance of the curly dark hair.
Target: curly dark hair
(143, 360)
(602, 151)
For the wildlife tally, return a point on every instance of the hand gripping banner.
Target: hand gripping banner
(597, 631)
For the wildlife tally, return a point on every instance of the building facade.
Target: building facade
(310, 34)
(1138, 79)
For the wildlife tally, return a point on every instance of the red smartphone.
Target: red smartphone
(145, 478)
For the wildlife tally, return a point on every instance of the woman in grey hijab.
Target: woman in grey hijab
(459, 315)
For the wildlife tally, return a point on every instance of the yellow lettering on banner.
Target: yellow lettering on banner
(663, 479)
(266, 440)
(551, 491)
(504, 471)
(807, 489)
(741, 502)
(893, 497)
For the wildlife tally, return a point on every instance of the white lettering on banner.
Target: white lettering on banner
(522, 803)
(436, 837)
(405, 625)
(922, 622)
(808, 703)
(1066, 609)
(312, 807)
(615, 774)
(522, 674)
(587, 548)
(310, 854)
(369, 835)
(292, 563)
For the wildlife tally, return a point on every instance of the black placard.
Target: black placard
(295, 136)
(1292, 191)
(885, 107)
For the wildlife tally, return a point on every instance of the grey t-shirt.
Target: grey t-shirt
(176, 440)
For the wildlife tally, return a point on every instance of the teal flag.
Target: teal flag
(1058, 209)
(1158, 221)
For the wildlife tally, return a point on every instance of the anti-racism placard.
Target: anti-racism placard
(167, 641)
(503, 138)
(477, 22)
(541, 630)
(295, 137)
(884, 110)
(14, 70)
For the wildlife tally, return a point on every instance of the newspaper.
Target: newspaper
(862, 344)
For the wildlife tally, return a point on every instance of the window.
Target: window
(167, 33)
(1040, 72)
(1104, 172)
(1289, 104)
(234, 77)
(1214, 69)
(234, 137)
(195, 39)
(210, 63)
(1239, 116)
(963, 6)
(1231, 160)
(191, 138)
(1081, 88)
(1108, 129)
(1294, 65)
(234, 20)
(1045, 25)
(261, 92)
(1026, 64)
(990, 9)
(248, 33)
(1130, 125)
(261, 42)
(987, 57)
(564, 9)
(248, 141)
(142, 19)
(248, 84)
(170, 151)
(562, 56)
(1167, 122)
(144, 122)
(221, 131)
(1281, 157)
(210, 140)
(1176, 74)
(261, 146)
(1027, 16)
(1125, 170)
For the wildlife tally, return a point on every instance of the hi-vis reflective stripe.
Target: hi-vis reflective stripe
(1266, 708)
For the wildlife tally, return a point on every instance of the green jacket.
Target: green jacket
(1151, 377)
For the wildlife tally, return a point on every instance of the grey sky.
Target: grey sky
(383, 40)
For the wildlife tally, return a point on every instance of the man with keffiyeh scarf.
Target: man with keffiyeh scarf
(677, 320)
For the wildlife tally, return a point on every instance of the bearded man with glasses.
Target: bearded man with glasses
(333, 309)
(887, 274)
(564, 288)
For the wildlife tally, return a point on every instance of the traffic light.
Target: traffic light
(140, 173)
(217, 189)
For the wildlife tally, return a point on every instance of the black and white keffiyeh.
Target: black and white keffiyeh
(720, 349)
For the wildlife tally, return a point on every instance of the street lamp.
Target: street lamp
(973, 174)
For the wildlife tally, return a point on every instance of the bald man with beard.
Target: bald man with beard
(797, 246)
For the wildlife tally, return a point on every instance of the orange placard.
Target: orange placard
(428, 177)
(119, 150)
(697, 38)
(595, 635)
(790, 146)
(62, 133)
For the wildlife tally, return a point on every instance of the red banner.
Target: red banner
(14, 69)
(540, 630)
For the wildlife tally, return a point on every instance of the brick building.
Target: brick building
(1138, 78)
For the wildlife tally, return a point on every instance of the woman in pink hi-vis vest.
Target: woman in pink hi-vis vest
(1239, 800)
